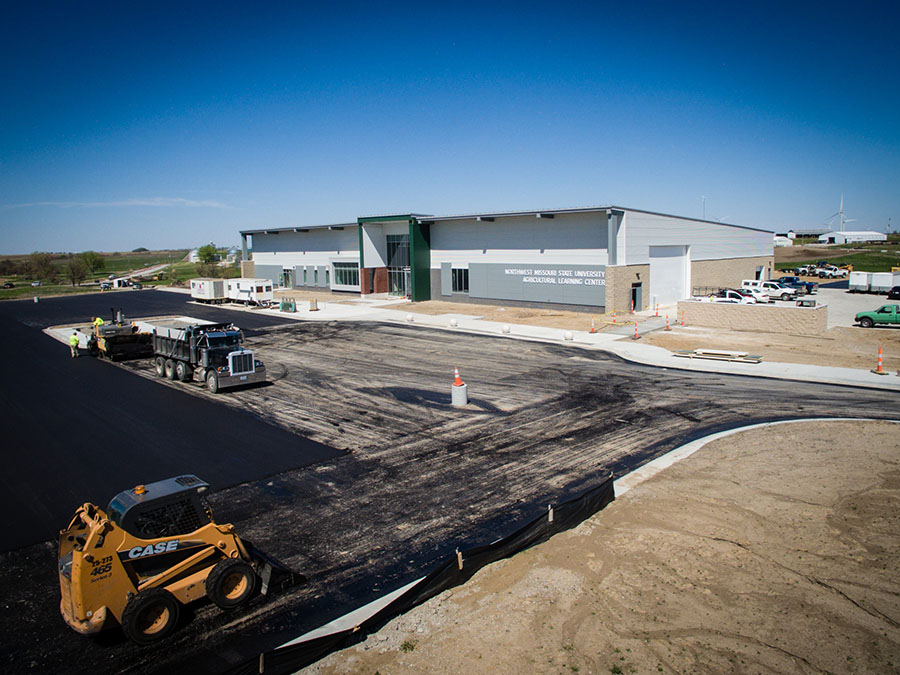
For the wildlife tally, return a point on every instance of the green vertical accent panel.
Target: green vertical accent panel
(420, 260)
(361, 247)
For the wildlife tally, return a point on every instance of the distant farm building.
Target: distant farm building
(856, 237)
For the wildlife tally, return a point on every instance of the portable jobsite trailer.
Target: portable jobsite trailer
(209, 290)
(882, 282)
(860, 281)
(250, 291)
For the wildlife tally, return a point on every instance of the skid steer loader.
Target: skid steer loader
(155, 548)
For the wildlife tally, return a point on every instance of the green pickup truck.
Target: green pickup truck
(884, 314)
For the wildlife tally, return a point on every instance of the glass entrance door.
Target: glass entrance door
(398, 281)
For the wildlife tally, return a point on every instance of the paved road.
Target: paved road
(75, 429)
(418, 478)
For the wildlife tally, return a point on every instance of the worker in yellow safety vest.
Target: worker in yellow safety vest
(98, 321)
(73, 344)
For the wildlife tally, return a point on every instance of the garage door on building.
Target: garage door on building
(669, 274)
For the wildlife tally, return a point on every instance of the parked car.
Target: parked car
(105, 285)
(886, 314)
(35, 283)
(801, 286)
(893, 294)
(8, 285)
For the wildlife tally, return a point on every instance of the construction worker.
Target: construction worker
(73, 344)
(98, 322)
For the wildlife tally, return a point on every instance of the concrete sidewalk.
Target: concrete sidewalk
(618, 341)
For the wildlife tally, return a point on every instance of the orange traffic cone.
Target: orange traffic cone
(636, 336)
(667, 322)
(879, 370)
(614, 316)
(593, 327)
(682, 319)
(457, 382)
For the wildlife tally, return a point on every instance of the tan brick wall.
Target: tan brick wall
(790, 320)
(247, 269)
(618, 286)
(728, 273)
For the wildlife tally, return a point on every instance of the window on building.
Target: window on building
(346, 274)
(398, 250)
(304, 276)
(460, 281)
(316, 277)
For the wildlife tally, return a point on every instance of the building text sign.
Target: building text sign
(566, 284)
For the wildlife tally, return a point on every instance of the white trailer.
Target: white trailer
(882, 282)
(209, 290)
(250, 291)
(860, 281)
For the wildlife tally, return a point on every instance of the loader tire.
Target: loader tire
(170, 369)
(160, 366)
(182, 374)
(212, 381)
(230, 583)
(150, 615)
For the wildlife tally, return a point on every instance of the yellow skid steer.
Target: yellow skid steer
(155, 548)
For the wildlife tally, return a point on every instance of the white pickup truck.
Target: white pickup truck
(773, 289)
(726, 296)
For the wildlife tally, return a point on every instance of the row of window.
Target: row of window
(347, 274)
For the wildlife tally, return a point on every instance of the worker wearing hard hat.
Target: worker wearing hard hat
(73, 344)
(98, 321)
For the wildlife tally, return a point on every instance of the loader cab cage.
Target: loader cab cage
(164, 509)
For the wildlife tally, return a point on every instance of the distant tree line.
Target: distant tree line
(45, 266)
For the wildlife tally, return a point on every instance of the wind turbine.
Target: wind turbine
(841, 214)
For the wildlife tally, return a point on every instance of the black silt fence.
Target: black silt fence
(453, 571)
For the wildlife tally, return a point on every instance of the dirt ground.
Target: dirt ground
(773, 550)
(845, 347)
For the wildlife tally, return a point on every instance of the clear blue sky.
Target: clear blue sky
(158, 124)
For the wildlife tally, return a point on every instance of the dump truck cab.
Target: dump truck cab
(155, 548)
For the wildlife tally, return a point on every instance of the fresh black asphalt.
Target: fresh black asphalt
(77, 430)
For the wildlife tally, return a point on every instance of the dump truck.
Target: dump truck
(155, 548)
(211, 351)
(119, 339)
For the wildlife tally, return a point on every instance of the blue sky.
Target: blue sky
(174, 124)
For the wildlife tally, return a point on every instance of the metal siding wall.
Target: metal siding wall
(576, 238)
(271, 272)
(446, 279)
(708, 241)
(563, 284)
(322, 269)
(315, 247)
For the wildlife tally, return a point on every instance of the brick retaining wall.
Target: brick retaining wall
(787, 319)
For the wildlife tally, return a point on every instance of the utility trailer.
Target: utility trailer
(213, 351)
(209, 290)
(250, 291)
(860, 282)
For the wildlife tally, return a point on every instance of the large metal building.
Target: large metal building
(591, 258)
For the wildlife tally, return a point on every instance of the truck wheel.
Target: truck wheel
(181, 371)
(170, 369)
(150, 615)
(160, 366)
(212, 381)
(866, 322)
(230, 583)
